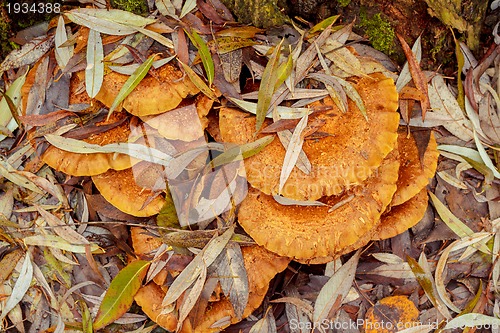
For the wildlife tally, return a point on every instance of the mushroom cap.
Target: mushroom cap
(261, 266)
(413, 175)
(391, 314)
(308, 232)
(402, 217)
(347, 157)
(120, 189)
(76, 164)
(153, 95)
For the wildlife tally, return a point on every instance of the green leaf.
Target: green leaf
(198, 82)
(323, 24)
(205, 55)
(121, 292)
(86, 317)
(243, 151)
(6, 112)
(131, 83)
(284, 71)
(189, 5)
(267, 86)
(94, 73)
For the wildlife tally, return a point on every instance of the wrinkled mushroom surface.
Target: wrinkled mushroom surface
(76, 164)
(153, 95)
(120, 189)
(413, 174)
(353, 149)
(308, 232)
(402, 217)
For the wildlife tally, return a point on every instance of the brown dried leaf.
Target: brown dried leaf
(418, 76)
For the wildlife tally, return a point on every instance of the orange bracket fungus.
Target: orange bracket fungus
(309, 232)
(153, 95)
(351, 151)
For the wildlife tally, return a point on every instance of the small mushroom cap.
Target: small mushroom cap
(391, 314)
(402, 217)
(76, 164)
(120, 189)
(308, 232)
(261, 266)
(413, 175)
(153, 95)
(348, 156)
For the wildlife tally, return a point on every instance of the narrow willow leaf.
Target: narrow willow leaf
(166, 8)
(192, 296)
(131, 83)
(265, 325)
(120, 294)
(20, 288)
(86, 317)
(62, 53)
(243, 151)
(457, 226)
(94, 73)
(111, 22)
(267, 86)
(28, 53)
(284, 71)
(130, 69)
(283, 111)
(156, 36)
(14, 93)
(335, 290)
(323, 24)
(424, 278)
(460, 65)
(233, 277)
(472, 320)
(405, 77)
(353, 94)
(223, 45)
(198, 82)
(291, 202)
(205, 55)
(484, 156)
(61, 228)
(303, 163)
(206, 257)
(7, 171)
(59, 243)
(417, 75)
(439, 278)
(292, 152)
(131, 149)
(188, 6)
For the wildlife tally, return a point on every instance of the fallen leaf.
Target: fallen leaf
(20, 287)
(63, 53)
(198, 82)
(335, 290)
(191, 297)
(28, 54)
(292, 152)
(206, 57)
(131, 83)
(94, 73)
(417, 75)
(120, 294)
(265, 325)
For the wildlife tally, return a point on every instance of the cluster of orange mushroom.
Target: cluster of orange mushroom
(366, 173)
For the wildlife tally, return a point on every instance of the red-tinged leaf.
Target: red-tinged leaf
(120, 294)
(181, 47)
(417, 75)
(240, 32)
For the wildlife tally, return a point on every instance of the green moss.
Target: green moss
(343, 3)
(379, 31)
(134, 6)
(261, 13)
(5, 45)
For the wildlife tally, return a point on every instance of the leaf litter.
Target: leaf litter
(43, 220)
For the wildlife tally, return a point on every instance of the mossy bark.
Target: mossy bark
(261, 13)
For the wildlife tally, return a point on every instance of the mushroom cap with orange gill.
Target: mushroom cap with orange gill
(414, 174)
(153, 95)
(352, 150)
(120, 189)
(309, 232)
